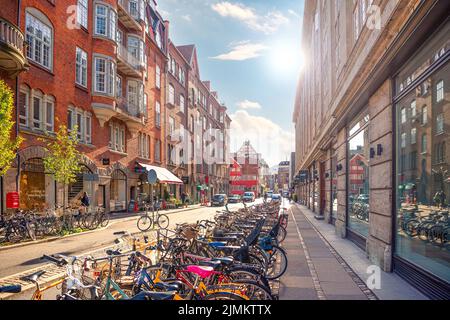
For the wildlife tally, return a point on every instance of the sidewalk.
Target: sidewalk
(323, 266)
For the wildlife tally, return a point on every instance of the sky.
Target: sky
(250, 50)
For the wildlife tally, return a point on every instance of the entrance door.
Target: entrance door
(322, 189)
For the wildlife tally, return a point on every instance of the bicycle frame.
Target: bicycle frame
(37, 295)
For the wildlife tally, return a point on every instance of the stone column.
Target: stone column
(379, 242)
(341, 150)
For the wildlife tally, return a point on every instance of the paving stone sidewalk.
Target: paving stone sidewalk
(315, 271)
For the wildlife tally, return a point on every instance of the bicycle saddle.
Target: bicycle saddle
(172, 286)
(153, 295)
(202, 272)
(113, 252)
(14, 288)
(226, 261)
(33, 277)
(211, 263)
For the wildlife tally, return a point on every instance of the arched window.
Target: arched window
(39, 34)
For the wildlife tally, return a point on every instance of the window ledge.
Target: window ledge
(79, 86)
(440, 133)
(37, 132)
(41, 67)
(118, 152)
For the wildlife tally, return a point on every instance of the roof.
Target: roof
(187, 51)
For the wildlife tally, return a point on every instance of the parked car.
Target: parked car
(276, 197)
(235, 198)
(219, 200)
(285, 194)
(269, 194)
(248, 196)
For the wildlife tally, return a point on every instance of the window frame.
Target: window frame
(31, 49)
(81, 67)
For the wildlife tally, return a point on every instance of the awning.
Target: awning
(163, 175)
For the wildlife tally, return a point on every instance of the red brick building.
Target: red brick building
(100, 67)
(245, 170)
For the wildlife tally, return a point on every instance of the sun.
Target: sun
(287, 58)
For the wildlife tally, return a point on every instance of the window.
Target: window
(135, 97)
(424, 143)
(157, 150)
(181, 132)
(105, 22)
(356, 21)
(88, 134)
(413, 108)
(49, 114)
(40, 41)
(403, 115)
(158, 114)
(82, 13)
(119, 86)
(116, 137)
(145, 108)
(424, 115)
(171, 125)
(81, 67)
(158, 77)
(440, 91)
(440, 123)
(69, 120)
(204, 123)
(192, 126)
(104, 77)
(181, 103)
(171, 94)
(24, 100)
(136, 49)
(143, 143)
(403, 140)
(37, 110)
(413, 135)
(79, 122)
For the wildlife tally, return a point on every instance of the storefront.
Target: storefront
(422, 174)
(358, 180)
(37, 189)
(333, 188)
(118, 191)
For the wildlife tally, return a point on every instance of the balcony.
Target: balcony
(12, 49)
(131, 114)
(127, 63)
(128, 12)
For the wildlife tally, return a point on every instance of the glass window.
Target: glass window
(69, 119)
(358, 178)
(181, 103)
(171, 94)
(105, 22)
(158, 77)
(403, 115)
(440, 91)
(105, 75)
(24, 98)
(37, 110)
(119, 86)
(81, 67)
(49, 114)
(100, 19)
(82, 13)
(413, 135)
(88, 129)
(403, 140)
(40, 39)
(158, 114)
(423, 187)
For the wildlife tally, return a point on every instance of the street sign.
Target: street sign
(185, 179)
(12, 200)
(151, 176)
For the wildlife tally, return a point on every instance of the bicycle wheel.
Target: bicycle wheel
(144, 223)
(163, 221)
(278, 263)
(104, 220)
(254, 290)
(281, 234)
(411, 227)
(224, 296)
(248, 273)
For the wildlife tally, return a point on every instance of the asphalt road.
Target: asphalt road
(20, 259)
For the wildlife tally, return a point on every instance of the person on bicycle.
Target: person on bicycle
(85, 202)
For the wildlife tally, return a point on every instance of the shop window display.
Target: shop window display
(334, 203)
(358, 177)
(118, 191)
(423, 182)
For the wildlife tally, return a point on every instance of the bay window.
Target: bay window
(105, 20)
(104, 75)
(39, 36)
(135, 97)
(136, 49)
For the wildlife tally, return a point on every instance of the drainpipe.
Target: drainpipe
(16, 100)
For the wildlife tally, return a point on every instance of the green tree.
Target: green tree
(8, 146)
(63, 158)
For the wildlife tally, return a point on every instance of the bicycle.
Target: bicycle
(147, 221)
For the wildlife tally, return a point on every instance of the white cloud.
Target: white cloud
(243, 51)
(268, 138)
(268, 23)
(295, 14)
(186, 17)
(246, 104)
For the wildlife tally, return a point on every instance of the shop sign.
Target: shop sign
(151, 176)
(139, 170)
(185, 179)
(105, 161)
(12, 200)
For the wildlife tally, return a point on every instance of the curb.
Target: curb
(54, 238)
